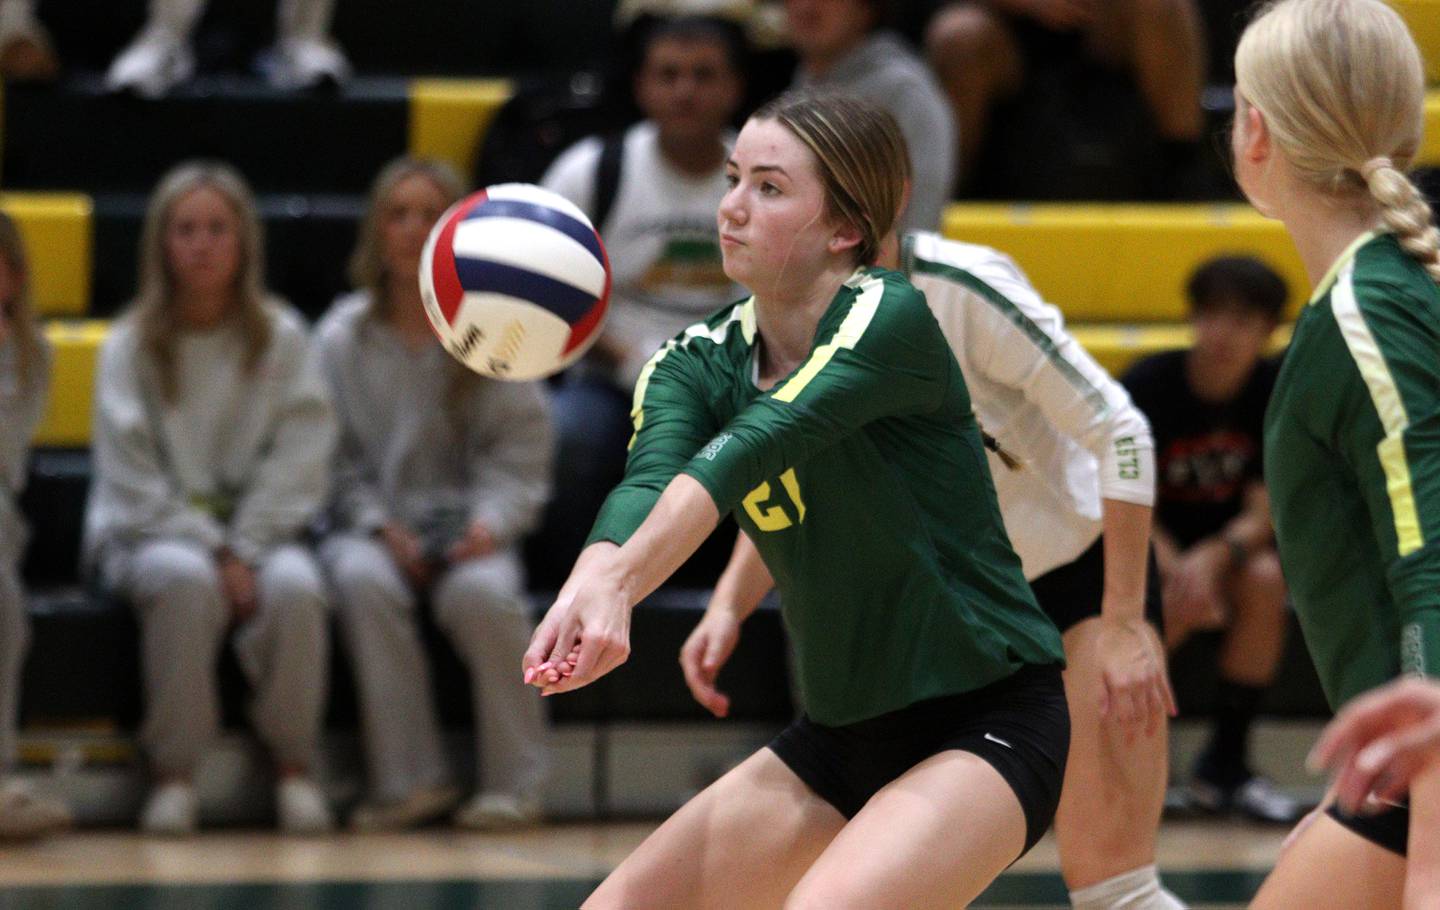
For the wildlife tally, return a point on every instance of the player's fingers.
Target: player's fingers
(715, 653)
(541, 643)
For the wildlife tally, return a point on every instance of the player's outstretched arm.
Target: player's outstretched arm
(742, 586)
(590, 619)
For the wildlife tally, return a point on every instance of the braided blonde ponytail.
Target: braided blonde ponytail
(1404, 211)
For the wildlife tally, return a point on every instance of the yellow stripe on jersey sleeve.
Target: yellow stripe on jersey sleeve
(1388, 404)
(862, 311)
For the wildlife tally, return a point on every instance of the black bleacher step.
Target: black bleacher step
(308, 239)
(75, 136)
(84, 664)
(54, 506)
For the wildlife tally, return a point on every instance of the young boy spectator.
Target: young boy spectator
(1213, 537)
(843, 48)
(653, 193)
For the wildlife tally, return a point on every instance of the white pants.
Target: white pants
(293, 18)
(14, 638)
(480, 607)
(283, 650)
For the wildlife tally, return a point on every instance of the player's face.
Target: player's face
(827, 27)
(406, 215)
(202, 243)
(774, 228)
(688, 88)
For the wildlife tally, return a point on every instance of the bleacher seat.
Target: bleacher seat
(1423, 17)
(56, 228)
(448, 117)
(1125, 263)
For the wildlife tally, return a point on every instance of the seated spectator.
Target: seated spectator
(439, 473)
(659, 184)
(985, 50)
(24, 381)
(26, 54)
(842, 48)
(1213, 538)
(160, 58)
(213, 438)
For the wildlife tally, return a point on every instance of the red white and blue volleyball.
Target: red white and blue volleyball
(516, 281)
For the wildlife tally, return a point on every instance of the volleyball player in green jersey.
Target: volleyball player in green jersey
(1328, 113)
(829, 414)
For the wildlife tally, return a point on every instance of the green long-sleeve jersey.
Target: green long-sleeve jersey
(863, 481)
(1352, 453)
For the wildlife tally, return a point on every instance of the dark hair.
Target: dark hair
(698, 29)
(1241, 280)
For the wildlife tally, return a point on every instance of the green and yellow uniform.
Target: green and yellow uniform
(1352, 453)
(862, 479)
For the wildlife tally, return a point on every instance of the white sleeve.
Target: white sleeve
(572, 175)
(1018, 340)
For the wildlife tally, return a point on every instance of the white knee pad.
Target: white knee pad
(1138, 889)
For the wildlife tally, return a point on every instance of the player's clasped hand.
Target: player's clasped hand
(704, 653)
(1380, 741)
(1137, 689)
(586, 632)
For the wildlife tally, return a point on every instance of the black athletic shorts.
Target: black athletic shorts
(1074, 591)
(1389, 829)
(1020, 725)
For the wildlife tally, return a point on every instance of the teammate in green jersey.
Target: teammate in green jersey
(829, 414)
(1329, 111)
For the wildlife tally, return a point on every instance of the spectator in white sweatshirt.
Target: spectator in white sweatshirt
(439, 472)
(212, 441)
(24, 380)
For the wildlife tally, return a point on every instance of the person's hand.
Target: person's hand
(237, 583)
(1136, 692)
(1380, 741)
(706, 650)
(1059, 15)
(1193, 586)
(407, 551)
(477, 542)
(586, 632)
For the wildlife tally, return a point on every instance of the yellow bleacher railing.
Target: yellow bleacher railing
(449, 117)
(57, 231)
(76, 345)
(1124, 263)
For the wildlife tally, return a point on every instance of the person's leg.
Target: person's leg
(403, 751)
(1162, 43)
(1114, 791)
(480, 604)
(305, 54)
(14, 640)
(743, 842)
(935, 837)
(1249, 660)
(175, 589)
(159, 58)
(284, 650)
(978, 62)
(1330, 866)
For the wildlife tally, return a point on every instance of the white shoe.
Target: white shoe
(422, 805)
(25, 815)
(301, 807)
(154, 63)
(498, 812)
(170, 811)
(304, 63)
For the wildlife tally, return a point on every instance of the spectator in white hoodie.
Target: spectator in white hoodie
(212, 441)
(439, 472)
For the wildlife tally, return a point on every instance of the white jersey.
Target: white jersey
(1044, 399)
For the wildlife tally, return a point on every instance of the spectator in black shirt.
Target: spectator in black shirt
(1214, 540)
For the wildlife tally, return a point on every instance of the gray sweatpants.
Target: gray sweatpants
(14, 638)
(480, 607)
(283, 650)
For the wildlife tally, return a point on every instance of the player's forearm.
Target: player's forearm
(680, 521)
(1127, 556)
(745, 581)
(1252, 528)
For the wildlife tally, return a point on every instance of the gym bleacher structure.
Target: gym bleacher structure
(76, 167)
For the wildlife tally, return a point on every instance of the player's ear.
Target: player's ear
(845, 237)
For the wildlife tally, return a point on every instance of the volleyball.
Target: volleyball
(515, 281)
